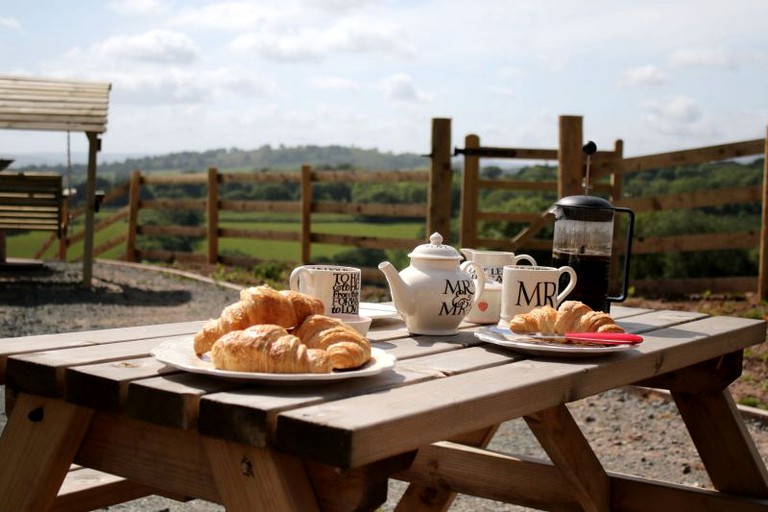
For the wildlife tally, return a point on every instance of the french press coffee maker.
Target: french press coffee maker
(583, 240)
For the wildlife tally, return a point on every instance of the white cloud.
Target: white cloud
(705, 57)
(138, 7)
(233, 16)
(8, 22)
(644, 75)
(298, 48)
(678, 116)
(302, 44)
(158, 46)
(172, 88)
(402, 88)
(335, 83)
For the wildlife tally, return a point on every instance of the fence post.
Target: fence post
(133, 215)
(306, 214)
(469, 194)
(762, 279)
(440, 175)
(213, 215)
(569, 156)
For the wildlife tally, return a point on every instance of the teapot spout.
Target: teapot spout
(404, 301)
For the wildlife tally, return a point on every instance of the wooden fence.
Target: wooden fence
(613, 165)
(607, 171)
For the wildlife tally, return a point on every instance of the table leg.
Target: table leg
(36, 450)
(419, 497)
(569, 450)
(259, 479)
(724, 444)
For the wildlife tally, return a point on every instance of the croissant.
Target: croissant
(257, 305)
(571, 316)
(346, 347)
(267, 348)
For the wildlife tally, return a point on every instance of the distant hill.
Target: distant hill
(263, 158)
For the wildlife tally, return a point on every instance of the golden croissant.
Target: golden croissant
(346, 347)
(267, 348)
(571, 316)
(258, 305)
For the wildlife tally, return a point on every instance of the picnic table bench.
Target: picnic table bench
(31, 202)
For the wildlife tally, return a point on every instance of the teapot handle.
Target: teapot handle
(627, 253)
(480, 280)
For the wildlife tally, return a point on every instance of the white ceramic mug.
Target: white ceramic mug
(338, 287)
(493, 262)
(527, 287)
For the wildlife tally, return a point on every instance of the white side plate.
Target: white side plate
(543, 348)
(179, 353)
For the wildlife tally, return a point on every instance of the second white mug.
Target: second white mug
(527, 287)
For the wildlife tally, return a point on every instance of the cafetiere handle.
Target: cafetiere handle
(627, 253)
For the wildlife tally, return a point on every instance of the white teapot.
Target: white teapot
(435, 293)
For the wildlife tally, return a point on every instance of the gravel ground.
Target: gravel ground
(617, 423)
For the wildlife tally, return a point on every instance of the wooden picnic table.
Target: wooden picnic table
(100, 400)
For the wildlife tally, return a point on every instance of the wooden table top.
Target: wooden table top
(442, 386)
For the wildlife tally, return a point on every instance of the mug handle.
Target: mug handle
(293, 281)
(526, 257)
(571, 283)
(479, 281)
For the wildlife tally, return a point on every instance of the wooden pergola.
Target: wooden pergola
(28, 103)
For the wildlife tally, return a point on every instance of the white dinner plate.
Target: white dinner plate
(377, 311)
(179, 352)
(522, 343)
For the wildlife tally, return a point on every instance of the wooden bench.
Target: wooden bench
(31, 201)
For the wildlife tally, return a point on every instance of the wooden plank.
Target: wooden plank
(37, 447)
(491, 475)
(393, 176)
(259, 479)
(104, 386)
(469, 194)
(51, 342)
(171, 399)
(42, 373)
(248, 415)
(538, 484)
(558, 434)
(695, 199)
(264, 234)
(694, 156)
(172, 460)
(724, 444)
(696, 242)
(491, 396)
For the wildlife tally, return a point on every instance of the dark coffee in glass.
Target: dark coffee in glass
(593, 271)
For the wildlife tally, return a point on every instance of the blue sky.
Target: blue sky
(197, 75)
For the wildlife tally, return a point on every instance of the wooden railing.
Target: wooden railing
(213, 204)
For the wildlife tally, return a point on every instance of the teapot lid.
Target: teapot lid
(435, 250)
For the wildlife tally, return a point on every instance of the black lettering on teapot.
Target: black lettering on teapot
(461, 293)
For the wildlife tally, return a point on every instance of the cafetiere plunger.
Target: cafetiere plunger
(583, 240)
